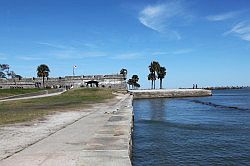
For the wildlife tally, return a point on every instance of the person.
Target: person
(193, 86)
(196, 87)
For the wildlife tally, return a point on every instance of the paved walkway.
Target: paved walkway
(32, 97)
(100, 138)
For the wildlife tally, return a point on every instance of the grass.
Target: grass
(27, 110)
(12, 92)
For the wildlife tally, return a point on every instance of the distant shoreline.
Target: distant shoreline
(227, 87)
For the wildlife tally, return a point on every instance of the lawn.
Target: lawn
(26, 110)
(12, 92)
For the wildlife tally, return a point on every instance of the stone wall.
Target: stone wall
(109, 81)
(170, 93)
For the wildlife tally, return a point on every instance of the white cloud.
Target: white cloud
(162, 17)
(242, 30)
(30, 58)
(92, 54)
(224, 16)
(160, 53)
(76, 54)
(58, 46)
(182, 51)
(89, 45)
(128, 56)
(176, 52)
(2, 56)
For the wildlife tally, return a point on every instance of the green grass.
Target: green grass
(26, 110)
(12, 92)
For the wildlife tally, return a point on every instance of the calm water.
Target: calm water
(193, 131)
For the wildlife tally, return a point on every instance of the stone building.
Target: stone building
(116, 81)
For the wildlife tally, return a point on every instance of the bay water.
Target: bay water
(211, 130)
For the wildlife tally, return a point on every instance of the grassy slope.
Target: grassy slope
(12, 92)
(26, 110)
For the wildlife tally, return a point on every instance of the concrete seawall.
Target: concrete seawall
(170, 93)
(112, 144)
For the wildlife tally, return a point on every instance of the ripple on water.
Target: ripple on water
(180, 132)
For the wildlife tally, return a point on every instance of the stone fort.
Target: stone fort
(115, 81)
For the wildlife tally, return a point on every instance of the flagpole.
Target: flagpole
(74, 67)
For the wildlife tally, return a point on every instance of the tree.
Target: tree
(151, 77)
(124, 72)
(135, 79)
(43, 71)
(161, 75)
(154, 67)
(4, 70)
(19, 77)
(12, 75)
(136, 85)
(129, 83)
(2, 74)
(4, 67)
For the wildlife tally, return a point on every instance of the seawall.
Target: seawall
(112, 144)
(169, 93)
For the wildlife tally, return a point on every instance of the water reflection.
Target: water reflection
(157, 109)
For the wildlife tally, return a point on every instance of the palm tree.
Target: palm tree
(161, 74)
(135, 79)
(129, 83)
(124, 71)
(151, 77)
(43, 71)
(154, 67)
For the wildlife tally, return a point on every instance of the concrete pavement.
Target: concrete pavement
(102, 137)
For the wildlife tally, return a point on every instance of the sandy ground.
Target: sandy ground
(17, 137)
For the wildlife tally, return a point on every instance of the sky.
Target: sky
(204, 42)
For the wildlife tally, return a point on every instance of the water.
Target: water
(193, 131)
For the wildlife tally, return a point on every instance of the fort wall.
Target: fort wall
(117, 81)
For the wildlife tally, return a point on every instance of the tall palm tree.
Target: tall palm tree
(135, 79)
(136, 85)
(43, 71)
(124, 72)
(154, 67)
(129, 83)
(161, 74)
(151, 77)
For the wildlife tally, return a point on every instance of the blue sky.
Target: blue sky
(203, 42)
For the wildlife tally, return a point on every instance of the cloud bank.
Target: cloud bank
(162, 17)
(224, 16)
(242, 30)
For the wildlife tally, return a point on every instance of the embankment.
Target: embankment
(169, 93)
